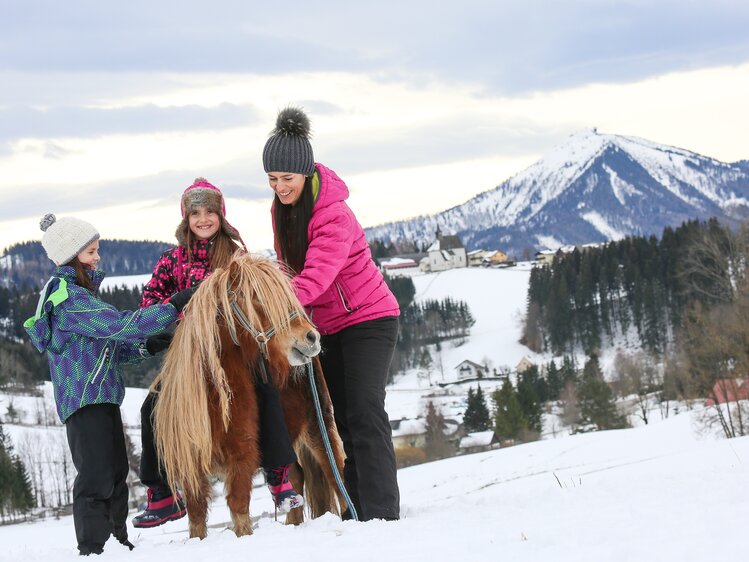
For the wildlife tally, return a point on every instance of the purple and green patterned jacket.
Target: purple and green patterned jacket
(86, 339)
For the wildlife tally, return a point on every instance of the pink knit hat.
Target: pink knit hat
(202, 193)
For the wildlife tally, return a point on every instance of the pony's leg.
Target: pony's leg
(197, 508)
(296, 477)
(238, 492)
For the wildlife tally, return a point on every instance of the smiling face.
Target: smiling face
(204, 223)
(287, 186)
(89, 257)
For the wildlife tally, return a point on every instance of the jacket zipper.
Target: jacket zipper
(343, 299)
(101, 365)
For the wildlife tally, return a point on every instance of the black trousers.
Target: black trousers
(356, 362)
(275, 444)
(100, 495)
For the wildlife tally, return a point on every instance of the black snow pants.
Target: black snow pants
(355, 362)
(100, 494)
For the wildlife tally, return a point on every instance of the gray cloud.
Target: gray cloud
(241, 179)
(439, 142)
(507, 46)
(28, 122)
(445, 141)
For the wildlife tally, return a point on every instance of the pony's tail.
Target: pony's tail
(182, 424)
(319, 497)
(320, 490)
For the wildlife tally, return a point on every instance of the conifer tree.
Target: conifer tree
(16, 496)
(554, 382)
(568, 371)
(596, 400)
(559, 313)
(529, 383)
(436, 444)
(22, 497)
(509, 421)
(425, 363)
(6, 475)
(476, 416)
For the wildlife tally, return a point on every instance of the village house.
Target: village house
(476, 257)
(486, 258)
(467, 369)
(547, 256)
(413, 432)
(399, 265)
(523, 365)
(494, 258)
(728, 390)
(447, 252)
(477, 442)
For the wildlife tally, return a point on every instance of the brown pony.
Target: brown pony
(206, 417)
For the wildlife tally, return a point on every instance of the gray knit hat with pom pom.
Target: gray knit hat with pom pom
(64, 239)
(288, 148)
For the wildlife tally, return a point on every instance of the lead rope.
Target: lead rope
(326, 441)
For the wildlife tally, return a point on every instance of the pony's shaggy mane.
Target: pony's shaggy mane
(182, 422)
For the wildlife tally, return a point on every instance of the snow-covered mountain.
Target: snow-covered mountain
(592, 188)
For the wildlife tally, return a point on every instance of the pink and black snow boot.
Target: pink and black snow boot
(284, 495)
(161, 508)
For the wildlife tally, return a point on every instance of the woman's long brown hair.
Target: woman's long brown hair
(291, 223)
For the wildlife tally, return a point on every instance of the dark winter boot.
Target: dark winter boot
(162, 507)
(284, 495)
(121, 536)
(88, 550)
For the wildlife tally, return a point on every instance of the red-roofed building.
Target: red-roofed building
(728, 390)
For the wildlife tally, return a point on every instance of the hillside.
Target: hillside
(592, 188)
(636, 494)
(27, 264)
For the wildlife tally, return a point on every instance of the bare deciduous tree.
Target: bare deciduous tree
(714, 339)
(570, 405)
(637, 376)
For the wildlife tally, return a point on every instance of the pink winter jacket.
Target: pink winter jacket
(340, 285)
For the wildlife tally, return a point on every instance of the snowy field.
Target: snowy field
(662, 492)
(658, 492)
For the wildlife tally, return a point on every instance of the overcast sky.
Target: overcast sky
(108, 111)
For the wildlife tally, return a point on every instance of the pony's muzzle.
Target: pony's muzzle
(313, 339)
(309, 347)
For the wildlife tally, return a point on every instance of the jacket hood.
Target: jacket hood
(332, 188)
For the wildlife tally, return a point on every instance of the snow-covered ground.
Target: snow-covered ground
(665, 491)
(657, 492)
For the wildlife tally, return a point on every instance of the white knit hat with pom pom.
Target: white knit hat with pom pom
(64, 239)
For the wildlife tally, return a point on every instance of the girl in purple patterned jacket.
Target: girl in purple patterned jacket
(86, 340)
(206, 242)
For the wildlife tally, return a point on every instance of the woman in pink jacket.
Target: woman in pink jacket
(323, 247)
